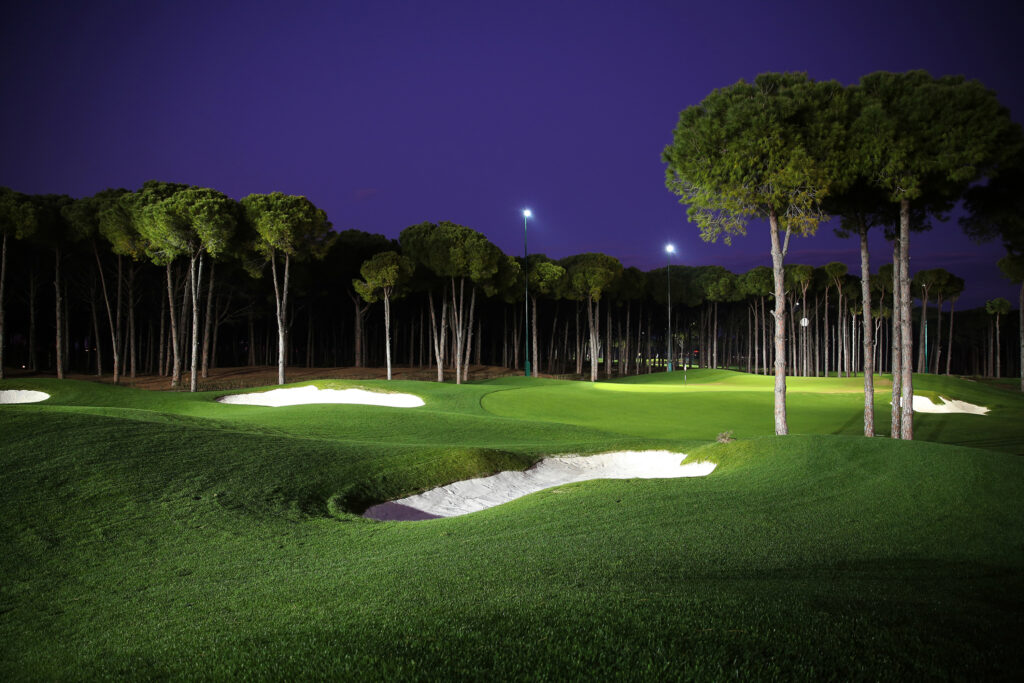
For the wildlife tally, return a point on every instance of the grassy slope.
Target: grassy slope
(150, 534)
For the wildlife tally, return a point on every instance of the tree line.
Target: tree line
(139, 277)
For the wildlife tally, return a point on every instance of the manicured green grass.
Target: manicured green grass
(150, 534)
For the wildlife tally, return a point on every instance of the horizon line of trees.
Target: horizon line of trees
(174, 266)
(457, 298)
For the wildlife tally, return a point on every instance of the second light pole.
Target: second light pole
(669, 250)
(527, 214)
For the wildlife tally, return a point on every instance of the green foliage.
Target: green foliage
(384, 274)
(757, 149)
(450, 250)
(289, 225)
(186, 223)
(758, 281)
(1012, 268)
(996, 209)
(997, 307)
(589, 275)
(546, 276)
(930, 135)
(17, 217)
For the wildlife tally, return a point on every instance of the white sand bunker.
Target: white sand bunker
(477, 494)
(22, 396)
(299, 396)
(923, 404)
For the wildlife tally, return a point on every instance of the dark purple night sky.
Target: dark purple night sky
(387, 114)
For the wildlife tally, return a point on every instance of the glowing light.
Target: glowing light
(670, 248)
(527, 213)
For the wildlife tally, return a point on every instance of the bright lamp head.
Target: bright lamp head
(527, 213)
(670, 249)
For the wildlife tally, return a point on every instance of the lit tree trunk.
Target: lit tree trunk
(59, 347)
(281, 297)
(906, 329)
(923, 342)
(714, 343)
(176, 372)
(778, 254)
(826, 330)
(208, 322)
(999, 370)
(869, 357)
(387, 328)
(593, 319)
(437, 333)
(937, 355)
(608, 341)
(469, 336)
(132, 353)
(897, 348)
(195, 273)
(110, 316)
(949, 344)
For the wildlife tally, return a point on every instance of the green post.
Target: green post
(526, 300)
(669, 249)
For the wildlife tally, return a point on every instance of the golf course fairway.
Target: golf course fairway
(152, 535)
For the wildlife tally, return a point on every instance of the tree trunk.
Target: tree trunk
(897, 348)
(826, 331)
(937, 354)
(593, 319)
(1020, 321)
(778, 254)
(437, 333)
(59, 343)
(208, 323)
(923, 341)
(869, 358)
(387, 329)
(281, 299)
(110, 315)
(176, 372)
(468, 342)
(608, 341)
(195, 274)
(132, 351)
(535, 364)
(96, 331)
(906, 330)
(999, 369)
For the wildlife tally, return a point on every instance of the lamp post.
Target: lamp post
(669, 250)
(527, 215)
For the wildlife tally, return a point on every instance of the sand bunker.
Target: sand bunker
(22, 396)
(477, 494)
(923, 404)
(309, 395)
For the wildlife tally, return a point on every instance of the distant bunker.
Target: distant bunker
(9, 396)
(311, 395)
(923, 404)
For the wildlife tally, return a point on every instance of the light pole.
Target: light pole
(527, 215)
(669, 250)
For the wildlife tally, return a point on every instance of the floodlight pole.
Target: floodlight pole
(526, 300)
(669, 249)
